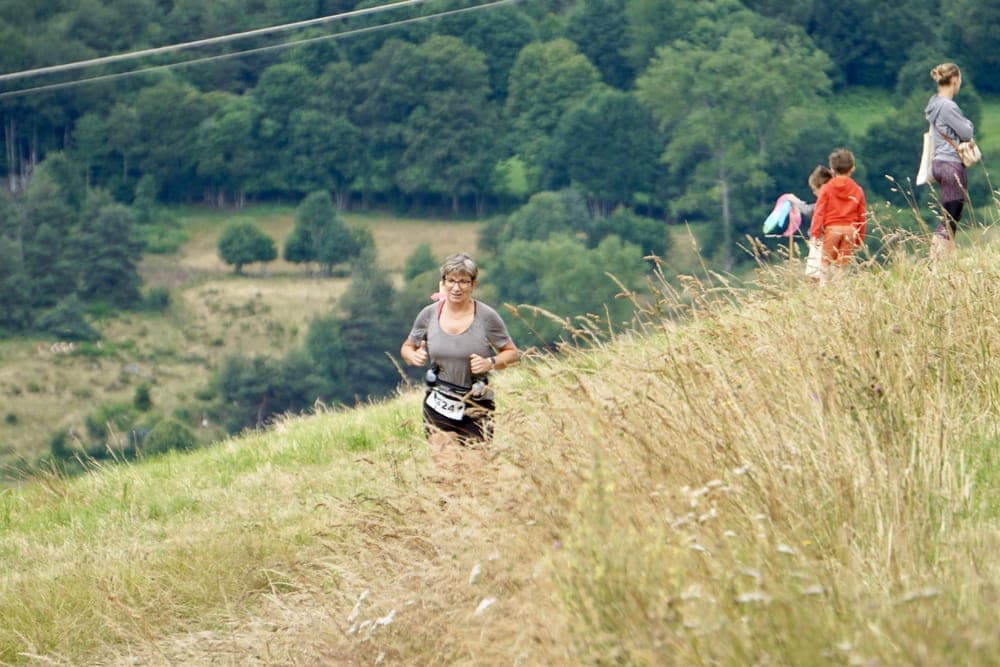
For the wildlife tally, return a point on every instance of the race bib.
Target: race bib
(445, 406)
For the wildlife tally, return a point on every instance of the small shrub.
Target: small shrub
(10, 418)
(97, 349)
(114, 416)
(101, 310)
(66, 321)
(142, 401)
(205, 394)
(168, 434)
(59, 446)
(157, 299)
(161, 239)
(421, 260)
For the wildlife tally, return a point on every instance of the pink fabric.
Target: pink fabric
(794, 214)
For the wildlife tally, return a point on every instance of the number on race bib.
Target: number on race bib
(445, 406)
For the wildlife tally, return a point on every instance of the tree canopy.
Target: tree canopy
(320, 235)
(242, 242)
(724, 105)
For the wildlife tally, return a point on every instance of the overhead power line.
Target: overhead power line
(235, 54)
(205, 42)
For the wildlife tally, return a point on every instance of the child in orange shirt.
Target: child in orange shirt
(839, 218)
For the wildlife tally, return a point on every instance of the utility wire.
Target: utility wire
(235, 54)
(206, 42)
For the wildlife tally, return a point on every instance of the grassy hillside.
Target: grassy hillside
(777, 474)
(214, 313)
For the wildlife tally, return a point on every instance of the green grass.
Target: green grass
(860, 108)
(175, 535)
(784, 475)
(988, 131)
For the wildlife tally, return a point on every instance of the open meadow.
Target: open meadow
(760, 474)
(45, 387)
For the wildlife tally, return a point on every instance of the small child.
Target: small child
(839, 220)
(817, 179)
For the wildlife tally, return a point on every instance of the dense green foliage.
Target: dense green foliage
(320, 235)
(62, 247)
(66, 321)
(168, 434)
(242, 242)
(426, 115)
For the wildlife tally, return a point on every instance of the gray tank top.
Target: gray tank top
(450, 352)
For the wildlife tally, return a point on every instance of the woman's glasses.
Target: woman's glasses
(464, 283)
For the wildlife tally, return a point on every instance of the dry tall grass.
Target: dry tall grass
(785, 475)
(802, 480)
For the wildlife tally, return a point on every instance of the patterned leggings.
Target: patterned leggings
(954, 182)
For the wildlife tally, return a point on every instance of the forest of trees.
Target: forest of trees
(687, 111)
(579, 128)
(649, 103)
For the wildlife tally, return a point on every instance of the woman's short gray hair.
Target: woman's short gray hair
(459, 263)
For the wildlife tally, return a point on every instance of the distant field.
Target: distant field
(988, 131)
(395, 240)
(213, 314)
(861, 108)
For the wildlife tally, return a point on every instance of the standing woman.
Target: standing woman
(464, 340)
(949, 127)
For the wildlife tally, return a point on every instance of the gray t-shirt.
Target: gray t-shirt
(804, 208)
(450, 352)
(945, 116)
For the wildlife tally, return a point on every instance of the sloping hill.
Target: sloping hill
(771, 474)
